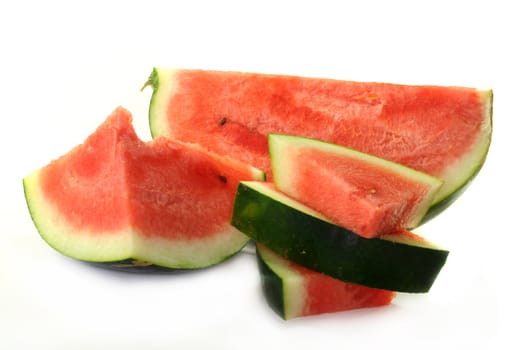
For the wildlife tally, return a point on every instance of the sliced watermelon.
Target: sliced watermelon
(442, 131)
(400, 261)
(115, 198)
(368, 195)
(295, 291)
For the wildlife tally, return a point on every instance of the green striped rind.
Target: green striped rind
(284, 147)
(127, 248)
(299, 234)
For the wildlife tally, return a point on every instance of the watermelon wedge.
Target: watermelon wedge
(118, 199)
(368, 195)
(295, 291)
(441, 131)
(400, 261)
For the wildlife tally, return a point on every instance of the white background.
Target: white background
(65, 66)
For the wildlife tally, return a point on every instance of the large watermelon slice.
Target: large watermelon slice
(295, 291)
(117, 198)
(368, 195)
(442, 131)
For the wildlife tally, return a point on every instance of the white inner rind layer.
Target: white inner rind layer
(294, 292)
(283, 149)
(166, 86)
(126, 243)
(472, 160)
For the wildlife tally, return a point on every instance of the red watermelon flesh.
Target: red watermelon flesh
(365, 194)
(116, 197)
(442, 131)
(304, 292)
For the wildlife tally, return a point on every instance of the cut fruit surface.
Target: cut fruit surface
(400, 262)
(116, 198)
(368, 195)
(438, 130)
(295, 291)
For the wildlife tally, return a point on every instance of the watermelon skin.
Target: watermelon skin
(400, 261)
(294, 291)
(367, 195)
(118, 200)
(442, 131)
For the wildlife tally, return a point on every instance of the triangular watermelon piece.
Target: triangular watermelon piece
(368, 195)
(294, 291)
(116, 198)
(444, 131)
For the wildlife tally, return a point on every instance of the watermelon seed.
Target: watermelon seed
(223, 121)
(223, 178)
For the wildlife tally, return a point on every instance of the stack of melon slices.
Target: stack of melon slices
(341, 213)
(350, 167)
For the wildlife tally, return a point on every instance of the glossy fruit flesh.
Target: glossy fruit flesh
(116, 198)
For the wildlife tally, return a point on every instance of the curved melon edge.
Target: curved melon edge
(118, 249)
(163, 87)
(473, 161)
(282, 285)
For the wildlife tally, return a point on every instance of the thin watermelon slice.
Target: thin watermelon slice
(442, 131)
(401, 261)
(116, 198)
(368, 195)
(295, 291)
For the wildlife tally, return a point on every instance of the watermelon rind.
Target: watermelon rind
(460, 174)
(306, 237)
(273, 286)
(282, 286)
(55, 231)
(162, 87)
(471, 163)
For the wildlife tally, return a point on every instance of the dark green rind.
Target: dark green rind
(141, 266)
(446, 202)
(272, 286)
(134, 266)
(333, 250)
